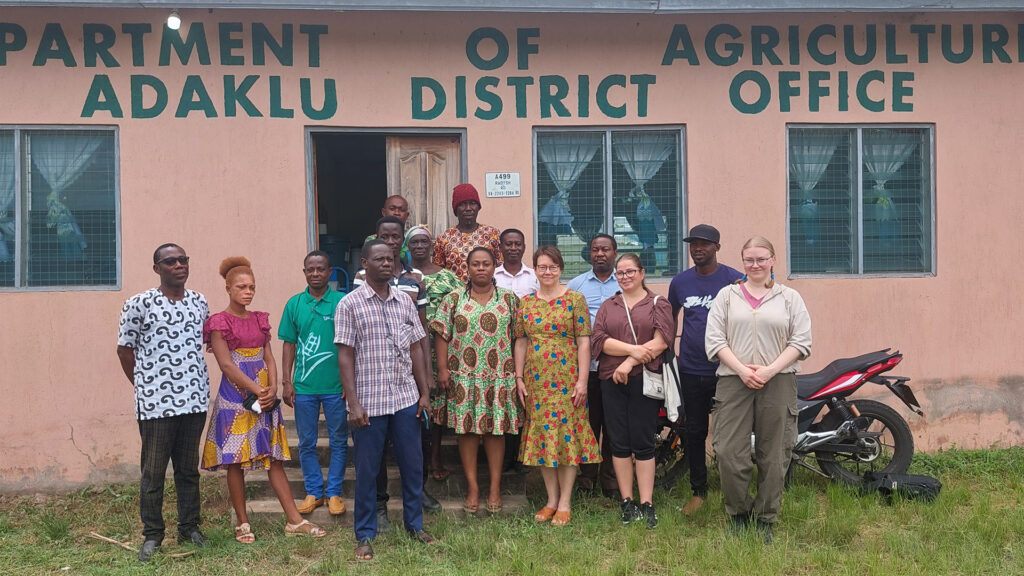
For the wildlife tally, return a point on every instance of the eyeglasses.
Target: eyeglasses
(758, 261)
(626, 273)
(546, 269)
(170, 260)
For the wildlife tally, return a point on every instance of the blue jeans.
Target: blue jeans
(307, 422)
(403, 429)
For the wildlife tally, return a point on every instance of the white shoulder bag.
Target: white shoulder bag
(654, 383)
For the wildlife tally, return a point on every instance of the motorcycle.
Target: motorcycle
(858, 435)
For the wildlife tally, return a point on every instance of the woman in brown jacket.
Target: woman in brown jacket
(632, 329)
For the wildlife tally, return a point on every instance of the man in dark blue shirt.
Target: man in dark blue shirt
(692, 290)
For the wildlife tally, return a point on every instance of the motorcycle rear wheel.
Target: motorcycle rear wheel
(892, 452)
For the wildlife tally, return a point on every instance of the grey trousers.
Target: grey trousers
(770, 413)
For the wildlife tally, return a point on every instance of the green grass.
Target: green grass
(975, 527)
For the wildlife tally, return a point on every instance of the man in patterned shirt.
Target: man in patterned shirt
(453, 245)
(160, 346)
(386, 375)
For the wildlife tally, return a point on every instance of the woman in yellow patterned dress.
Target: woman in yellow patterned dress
(239, 438)
(552, 359)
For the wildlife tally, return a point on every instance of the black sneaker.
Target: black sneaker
(149, 547)
(765, 530)
(739, 522)
(647, 513)
(383, 524)
(195, 537)
(629, 511)
(430, 504)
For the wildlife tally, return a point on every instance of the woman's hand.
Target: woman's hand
(621, 374)
(641, 354)
(524, 394)
(764, 373)
(444, 377)
(751, 378)
(579, 392)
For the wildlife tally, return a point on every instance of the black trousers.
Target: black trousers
(698, 398)
(630, 418)
(382, 476)
(173, 439)
(605, 470)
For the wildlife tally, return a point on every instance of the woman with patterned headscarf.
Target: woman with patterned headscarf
(437, 282)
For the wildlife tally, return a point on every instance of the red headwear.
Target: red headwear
(464, 193)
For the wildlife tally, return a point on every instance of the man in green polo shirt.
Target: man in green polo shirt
(310, 380)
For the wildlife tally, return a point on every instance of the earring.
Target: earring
(744, 277)
(773, 273)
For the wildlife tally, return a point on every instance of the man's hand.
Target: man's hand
(423, 409)
(357, 417)
(288, 394)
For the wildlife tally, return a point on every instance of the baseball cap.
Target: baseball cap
(703, 232)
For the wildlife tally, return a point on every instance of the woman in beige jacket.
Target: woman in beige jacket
(758, 330)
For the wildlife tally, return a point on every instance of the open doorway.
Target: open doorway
(354, 172)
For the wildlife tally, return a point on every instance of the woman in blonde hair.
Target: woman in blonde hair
(246, 430)
(759, 330)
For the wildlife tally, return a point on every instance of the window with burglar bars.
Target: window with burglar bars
(627, 183)
(861, 200)
(58, 208)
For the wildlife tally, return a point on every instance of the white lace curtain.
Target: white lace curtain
(809, 155)
(61, 159)
(565, 156)
(643, 154)
(885, 151)
(6, 195)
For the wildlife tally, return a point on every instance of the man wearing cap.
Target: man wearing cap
(453, 245)
(692, 290)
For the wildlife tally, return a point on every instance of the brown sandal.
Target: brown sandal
(243, 533)
(561, 518)
(304, 528)
(364, 551)
(544, 514)
(494, 507)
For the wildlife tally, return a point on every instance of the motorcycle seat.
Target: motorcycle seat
(808, 385)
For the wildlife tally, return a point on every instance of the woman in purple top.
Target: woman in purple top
(240, 437)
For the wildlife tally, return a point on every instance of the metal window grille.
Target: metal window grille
(58, 208)
(860, 200)
(627, 183)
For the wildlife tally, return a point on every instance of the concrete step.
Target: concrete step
(270, 509)
(449, 448)
(258, 485)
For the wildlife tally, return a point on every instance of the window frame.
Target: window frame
(859, 128)
(19, 281)
(608, 159)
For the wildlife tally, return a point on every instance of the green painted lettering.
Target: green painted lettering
(786, 88)
(460, 96)
(680, 45)
(277, 110)
(263, 39)
(946, 38)
(993, 41)
(101, 96)
(844, 91)
(583, 96)
(602, 96)
(519, 83)
(97, 40)
(229, 43)
(524, 47)
(642, 81)
(794, 45)
(473, 48)
(330, 106)
(862, 91)
(815, 90)
(440, 100)
(313, 33)
(137, 33)
(549, 99)
(196, 41)
(922, 31)
(194, 97)
(763, 41)
(488, 97)
(139, 83)
(901, 91)
(53, 45)
(12, 39)
(734, 50)
(235, 95)
(891, 56)
(850, 45)
(814, 44)
(763, 86)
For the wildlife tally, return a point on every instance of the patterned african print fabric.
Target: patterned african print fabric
(556, 432)
(438, 285)
(236, 435)
(452, 247)
(481, 397)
